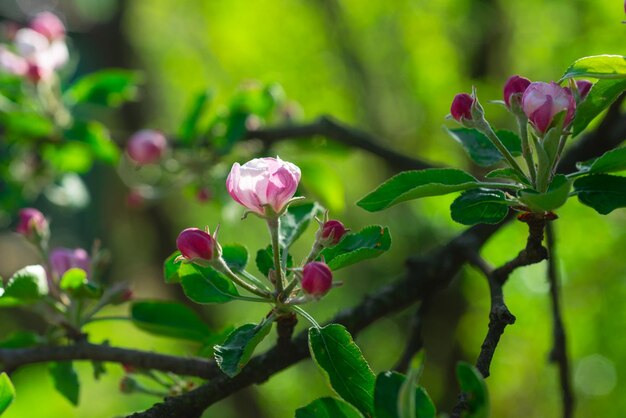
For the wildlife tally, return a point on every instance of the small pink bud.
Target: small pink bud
(146, 146)
(195, 244)
(333, 231)
(317, 279)
(49, 25)
(121, 295)
(32, 224)
(583, 87)
(263, 181)
(63, 259)
(543, 101)
(514, 88)
(462, 107)
(204, 194)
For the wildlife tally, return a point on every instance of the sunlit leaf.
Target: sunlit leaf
(169, 319)
(27, 285)
(236, 351)
(295, 221)
(598, 66)
(481, 150)
(65, 380)
(602, 95)
(171, 267)
(369, 242)
(555, 197)
(110, 87)
(206, 285)
(235, 256)
(611, 161)
(7, 392)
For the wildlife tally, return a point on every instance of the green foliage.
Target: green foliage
(65, 380)
(265, 260)
(110, 87)
(7, 392)
(206, 285)
(21, 339)
(328, 408)
(481, 150)
(474, 387)
(598, 66)
(480, 206)
(236, 351)
(602, 192)
(295, 221)
(387, 393)
(74, 282)
(169, 319)
(555, 197)
(97, 139)
(171, 267)
(508, 173)
(411, 185)
(27, 285)
(323, 181)
(343, 365)
(191, 128)
(614, 160)
(602, 95)
(235, 256)
(19, 124)
(369, 242)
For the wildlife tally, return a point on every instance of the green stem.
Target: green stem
(317, 248)
(292, 284)
(526, 149)
(107, 318)
(500, 185)
(254, 280)
(306, 315)
(220, 264)
(273, 223)
(486, 129)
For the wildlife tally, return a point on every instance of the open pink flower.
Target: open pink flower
(543, 101)
(263, 181)
(63, 259)
(49, 25)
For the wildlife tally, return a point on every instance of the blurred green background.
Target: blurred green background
(390, 68)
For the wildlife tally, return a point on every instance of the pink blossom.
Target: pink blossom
(514, 88)
(461, 107)
(543, 101)
(584, 87)
(195, 244)
(263, 181)
(32, 223)
(49, 25)
(63, 259)
(12, 63)
(146, 146)
(317, 278)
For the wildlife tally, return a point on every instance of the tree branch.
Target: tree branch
(558, 354)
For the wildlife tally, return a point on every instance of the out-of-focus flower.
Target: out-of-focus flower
(49, 25)
(263, 182)
(197, 245)
(63, 259)
(317, 279)
(42, 55)
(543, 101)
(32, 224)
(146, 146)
(514, 89)
(12, 63)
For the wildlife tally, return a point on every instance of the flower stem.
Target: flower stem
(526, 150)
(486, 129)
(220, 264)
(273, 223)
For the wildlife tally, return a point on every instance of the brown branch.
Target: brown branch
(558, 354)
(333, 129)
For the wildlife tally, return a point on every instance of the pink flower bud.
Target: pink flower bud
(195, 244)
(263, 181)
(63, 259)
(317, 279)
(583, 87)
(49, 25)
(462, 107)
(146, 146)
(514, 89)
(333, 231)
(32, 224)
(543, 101)
(204, 194)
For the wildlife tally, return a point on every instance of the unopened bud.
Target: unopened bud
(146, 146)
(461, 107)
(317, 279)
(332, 232)
(33, 224)
(196, 245)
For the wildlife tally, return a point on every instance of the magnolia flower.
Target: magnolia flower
(63, 259)
(196, 245)
(146, 146)
(263, 182)
(543, 101)
(317, 279)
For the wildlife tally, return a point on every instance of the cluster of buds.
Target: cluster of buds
(38, 50)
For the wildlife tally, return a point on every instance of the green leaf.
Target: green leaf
(386, 396)
(28, 284)
(169, 319)
(21, 339)
(343, 365)
(170, 268)
(190, 128)
(328, 408)
(475, 389)
(97, 138)
(110, 87)
(507, 173)
(369, 242)
(69, 157)
(65, 380)
(265, 260)
(555, 197)
(598, 66)
(74, 282)
(26, 124)
(206, 285)
(295, 221)
(602, 192)
(480, 148)
(7, 392)
(235, 256)
(478, 206)
(602, 95)
(614, 160)
(417, 184)
(236, 351)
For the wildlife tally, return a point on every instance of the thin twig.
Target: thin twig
(558, 354)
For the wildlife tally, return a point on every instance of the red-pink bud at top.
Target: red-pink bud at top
(263, 181)
(204, 194)
(583, 87)
(543, 101)
(32, 224)
(462, 107)
(195, 244)
(49, 25)
(333, 231)
(146, 146)
(515, 85)
(63, 259)
(317, 278)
